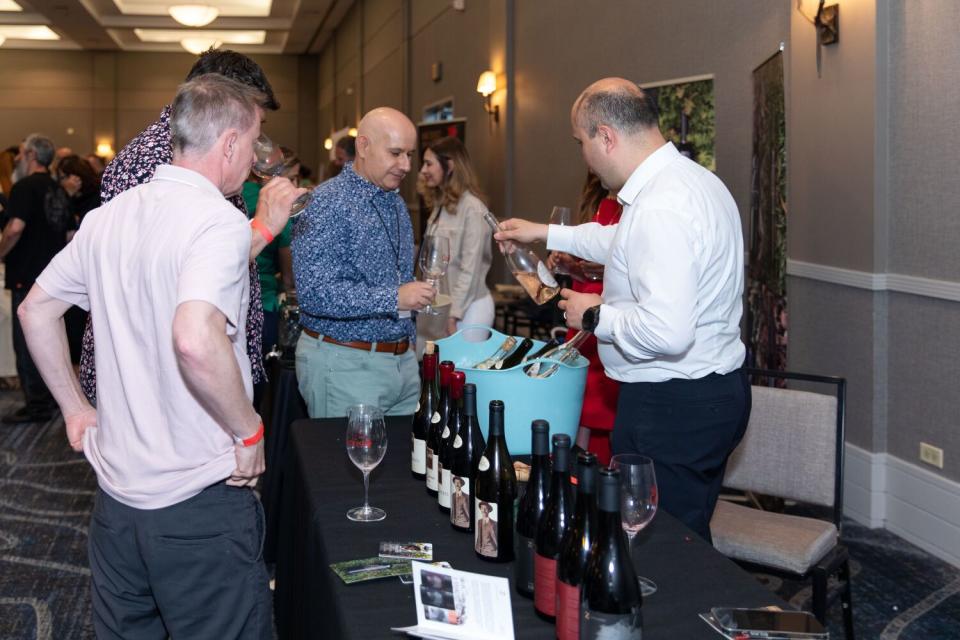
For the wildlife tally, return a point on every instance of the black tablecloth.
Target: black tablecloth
(320, 484)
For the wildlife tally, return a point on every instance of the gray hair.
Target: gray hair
(624, 109)
(207, 106)
(42, 147)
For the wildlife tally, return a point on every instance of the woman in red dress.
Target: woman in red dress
(600, 393)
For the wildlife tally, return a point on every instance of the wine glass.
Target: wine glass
(638, 500)
(366, 445)
(268, 162)
(434, 258)
(562, 216)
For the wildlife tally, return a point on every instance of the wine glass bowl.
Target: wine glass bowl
(434, 258)
(366, 443)
(269, 162)
(638, 499)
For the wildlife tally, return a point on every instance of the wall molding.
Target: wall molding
(898, 282)
(881, 490)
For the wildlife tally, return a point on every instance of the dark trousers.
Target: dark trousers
(191, 570)
(35, 392)
(689, 428)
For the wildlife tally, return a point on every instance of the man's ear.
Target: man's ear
(363, 144)
(230, 142)
(608, 137)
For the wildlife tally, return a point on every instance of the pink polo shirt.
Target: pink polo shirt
(133, 261)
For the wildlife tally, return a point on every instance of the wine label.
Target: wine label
(545, 584)
(596, 625)
(418, 457)
(460, 501)
(443, 491)
(436, 417)
(432, 464)
(545, 276)
(486, 542)
(523, 569)
(484, 463)
(457, 442)
(446, 433)
(568, 611)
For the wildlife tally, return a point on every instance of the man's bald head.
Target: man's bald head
(386, 142)
(617, 103)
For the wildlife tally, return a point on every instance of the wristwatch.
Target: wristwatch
(591, 318)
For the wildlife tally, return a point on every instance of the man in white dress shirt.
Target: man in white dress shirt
(668, 322)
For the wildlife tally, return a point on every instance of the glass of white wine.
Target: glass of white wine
(269, 163)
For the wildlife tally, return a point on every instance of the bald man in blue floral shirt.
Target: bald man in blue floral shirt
(353, 266)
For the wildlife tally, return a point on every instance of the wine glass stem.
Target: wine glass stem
(630, 537)
(366, 490)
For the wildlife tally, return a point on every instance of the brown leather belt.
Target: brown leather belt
(397, 348)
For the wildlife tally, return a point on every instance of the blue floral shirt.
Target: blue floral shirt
(352, 249)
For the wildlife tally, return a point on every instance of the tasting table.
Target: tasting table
(321, 484)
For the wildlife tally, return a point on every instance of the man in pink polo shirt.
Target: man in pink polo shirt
(176, 532)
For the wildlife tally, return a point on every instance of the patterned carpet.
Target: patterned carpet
(46, 493)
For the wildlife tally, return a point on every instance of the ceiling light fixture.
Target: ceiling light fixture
(2, 40)
(196, 46)
(194, 15)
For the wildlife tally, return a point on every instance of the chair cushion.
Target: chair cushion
(789, 543)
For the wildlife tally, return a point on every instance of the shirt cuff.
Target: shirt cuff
(560, 237)
(608, 318)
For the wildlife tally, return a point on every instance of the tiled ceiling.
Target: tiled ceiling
(250, 26)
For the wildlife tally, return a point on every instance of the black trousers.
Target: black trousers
(191, 570)
(35, 392)
(689, 428)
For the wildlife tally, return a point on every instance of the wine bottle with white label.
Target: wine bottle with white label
(575, 548)
(610, 602)
(557, 513)
(429, 395)
(494, 494)
(468, 446)
(531, 506)
(450, 430)
(437, 423)
(527, 267)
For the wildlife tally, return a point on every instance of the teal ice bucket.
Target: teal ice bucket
(557, 399)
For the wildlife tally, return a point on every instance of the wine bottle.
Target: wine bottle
(549, 346)
(437, 424)
(468, 446)
(566, 352)
(497, 355)
(516, 356)
(527, 267)
(610, 601)
(429, 395)
(450, 430)
(575, 547)
(556, 515)
(531, 506)
(495, 491)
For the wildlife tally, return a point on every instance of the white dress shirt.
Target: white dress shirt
(673, 283)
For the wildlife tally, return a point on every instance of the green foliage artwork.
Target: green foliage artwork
(695, 99)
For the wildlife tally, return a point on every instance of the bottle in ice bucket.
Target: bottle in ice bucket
(496, 490)
(527, 267)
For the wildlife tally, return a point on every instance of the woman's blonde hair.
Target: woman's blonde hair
(458, 176)
(591, 196)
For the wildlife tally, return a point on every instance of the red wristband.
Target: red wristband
(262, 229)
(252, 440)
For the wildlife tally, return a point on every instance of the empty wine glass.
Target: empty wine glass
(366, 445)
(638, 500)
(562, 216)
(434, 258)
(269, 162)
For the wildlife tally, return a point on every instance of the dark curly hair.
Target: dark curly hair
(235, 66)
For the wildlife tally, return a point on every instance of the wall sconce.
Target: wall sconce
(352, 132)
(105, 150)
(826, 22)
(486, 85)
(328, 144)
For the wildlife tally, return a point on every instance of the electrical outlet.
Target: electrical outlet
(931, 455)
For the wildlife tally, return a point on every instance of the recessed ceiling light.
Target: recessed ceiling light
(226, 36)
(196, 46)
(27, 32)
(9, 5)
(194, 15)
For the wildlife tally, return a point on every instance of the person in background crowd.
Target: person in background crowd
(448, 184)
(345, 151)
(176, 531)
(668, 323)
(353, 267)
(8, 165)
(97, 163)
(8, 361)
(39, 219)
(135, 165)
(600, 393)
(306, 177)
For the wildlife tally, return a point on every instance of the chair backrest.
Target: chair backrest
(790, 447)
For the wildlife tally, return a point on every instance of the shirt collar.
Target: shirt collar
(170, 173)
(355, 180)
(645, 172)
